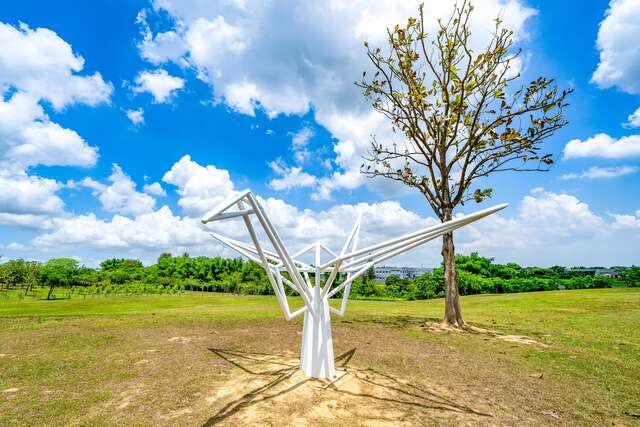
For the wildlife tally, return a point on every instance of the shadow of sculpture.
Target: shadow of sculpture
(372, 387)
(256, 358)
(406, 393)
(248, 362)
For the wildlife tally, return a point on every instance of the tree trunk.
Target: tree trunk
(452, 311)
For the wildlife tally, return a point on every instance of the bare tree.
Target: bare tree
(462, 116)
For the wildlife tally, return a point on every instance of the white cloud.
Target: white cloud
(602, 145)
(38, 68)
(633, 121)
(596, 172)
(29, 221)
(290, 177)
(241, 97)
(300, 142)
(155, 189)
(91, 183)
(155, 231)
(15, 246)
(199, 187)
(301, 138)
(159, 84)
(354, 134)
(121, 196)
(349, 179)
(24, 194)
(212, 41)
(629, 222)
(166, 46)
(619, 50)
(551, 229)
(136, 116)
(306, 63)
(546, 228)
(42, 64)
(29, 138)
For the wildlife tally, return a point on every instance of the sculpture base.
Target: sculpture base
(316, 355)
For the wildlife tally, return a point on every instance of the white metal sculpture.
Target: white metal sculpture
(316, 356)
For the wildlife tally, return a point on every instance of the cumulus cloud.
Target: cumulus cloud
(596, 172)
(199, 187)
(602, 145)
(15, 246)
(306, 63)
(167, 46)
(619, 51)
(155, 189)
(159, 84)
(633, 121)
(545, 228)
(121, 195)
(161, 229)
(544, 219)
(290, 177)
(38, 69)
(149, 231)
(24, 194)
(629, 222)
(354, 135)
(28, 221)
(299, 144)
(42, 64)
(155, 230)
(164, 46)
(551, 229)
(28, 137)
(136, 116)
(301, 138)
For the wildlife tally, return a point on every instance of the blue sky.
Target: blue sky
(102, 102)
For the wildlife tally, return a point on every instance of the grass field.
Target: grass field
(204, 359)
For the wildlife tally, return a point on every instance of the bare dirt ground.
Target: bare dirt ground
(205, 373)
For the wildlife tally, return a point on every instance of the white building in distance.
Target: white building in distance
(382, 272)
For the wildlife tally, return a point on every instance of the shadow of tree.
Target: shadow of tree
(395, 321)
(384, 388)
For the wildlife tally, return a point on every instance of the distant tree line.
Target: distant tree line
(63, 277)
(480, 275)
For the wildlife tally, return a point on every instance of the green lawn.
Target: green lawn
(53, 352)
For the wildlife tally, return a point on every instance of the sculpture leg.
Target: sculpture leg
(316, 356)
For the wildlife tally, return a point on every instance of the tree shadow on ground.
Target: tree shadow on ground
(375, 387)
(394, 321)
